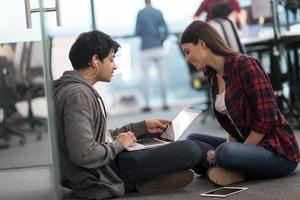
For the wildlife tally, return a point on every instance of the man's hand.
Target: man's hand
(157, 125)
(126, 139)
(211, 157)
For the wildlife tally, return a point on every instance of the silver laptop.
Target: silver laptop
(172, 133)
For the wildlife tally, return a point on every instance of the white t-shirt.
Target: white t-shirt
(108, 138)
(220, 103)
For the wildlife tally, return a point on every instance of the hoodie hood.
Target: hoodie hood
(72, 77)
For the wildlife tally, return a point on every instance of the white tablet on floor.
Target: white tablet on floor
(223, 192)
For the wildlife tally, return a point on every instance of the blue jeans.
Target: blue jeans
(138, 166)
(252, 160)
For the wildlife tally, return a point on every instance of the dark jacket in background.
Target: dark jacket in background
(151, 27)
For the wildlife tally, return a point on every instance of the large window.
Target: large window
(117, 17)
(75, 18)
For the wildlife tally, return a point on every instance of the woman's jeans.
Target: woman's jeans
(252, 160)
(134, 167)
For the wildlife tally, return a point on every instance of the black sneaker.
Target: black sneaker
(169, 182)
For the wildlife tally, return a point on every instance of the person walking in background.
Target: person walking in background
(153, 31)
(261, 143)
(222, 9)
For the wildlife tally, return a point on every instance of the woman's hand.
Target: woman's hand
(156, 125)
(126, 139)
(211, 157)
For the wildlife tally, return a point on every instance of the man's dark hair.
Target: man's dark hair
(88, 44)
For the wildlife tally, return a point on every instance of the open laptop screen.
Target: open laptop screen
(179, 124)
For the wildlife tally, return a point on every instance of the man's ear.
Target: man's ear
(94, 59)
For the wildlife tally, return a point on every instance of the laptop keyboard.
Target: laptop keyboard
(150, 141)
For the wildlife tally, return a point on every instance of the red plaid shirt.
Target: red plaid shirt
(251, 104)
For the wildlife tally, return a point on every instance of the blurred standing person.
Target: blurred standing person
(221, 9)
(152, 28)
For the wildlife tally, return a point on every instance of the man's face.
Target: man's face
(107, 67)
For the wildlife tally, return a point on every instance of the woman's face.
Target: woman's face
(196, 54)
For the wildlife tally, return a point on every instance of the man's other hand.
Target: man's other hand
(126, 139)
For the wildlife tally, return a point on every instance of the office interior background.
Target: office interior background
(47, 46)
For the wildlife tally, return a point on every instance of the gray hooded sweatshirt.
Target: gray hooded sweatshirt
(81, 125)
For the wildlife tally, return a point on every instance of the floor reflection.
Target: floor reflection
(35, 151)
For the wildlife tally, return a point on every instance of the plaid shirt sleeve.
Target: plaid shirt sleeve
(260, 94)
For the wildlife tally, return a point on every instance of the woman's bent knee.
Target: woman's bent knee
(225, 153)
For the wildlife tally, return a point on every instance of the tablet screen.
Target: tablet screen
(224, 191)
(179, 124)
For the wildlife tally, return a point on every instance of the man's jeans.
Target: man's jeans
(252, 160)
(138, 166)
